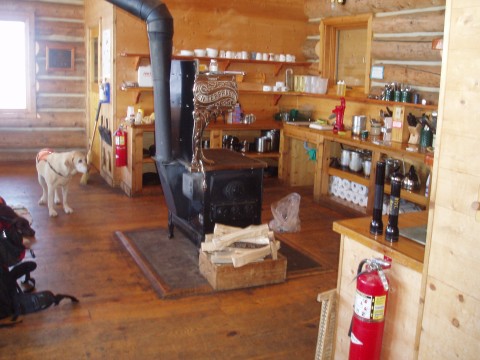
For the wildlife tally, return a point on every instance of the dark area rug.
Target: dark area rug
(171, 265)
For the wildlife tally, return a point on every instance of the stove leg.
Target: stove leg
(170, 225)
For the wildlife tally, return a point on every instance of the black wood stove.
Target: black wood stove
(201, 187)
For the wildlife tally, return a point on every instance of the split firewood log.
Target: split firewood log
(250, 232)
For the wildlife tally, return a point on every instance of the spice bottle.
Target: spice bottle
(213, 67)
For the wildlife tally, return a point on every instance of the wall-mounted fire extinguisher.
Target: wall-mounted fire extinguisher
(366, 329)
(120, 147)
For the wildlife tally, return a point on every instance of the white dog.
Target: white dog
(55, 170)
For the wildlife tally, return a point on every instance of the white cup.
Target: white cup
(265, 56)
(258, 56)
(281, 57)
(229, 54)
(222, 53)
(245, 55)
(279, 84)
(290, 58)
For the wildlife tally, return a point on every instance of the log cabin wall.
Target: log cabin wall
(403, 31)
(60, 95)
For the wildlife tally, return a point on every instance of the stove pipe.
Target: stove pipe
(160, 34)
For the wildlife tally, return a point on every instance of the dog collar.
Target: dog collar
(55, 171)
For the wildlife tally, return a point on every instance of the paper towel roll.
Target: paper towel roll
(348, 195)
(363, 201)
(354, 186)
(356, 198)
(362, 190)
(345, 184)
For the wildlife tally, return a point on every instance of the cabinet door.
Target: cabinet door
(402, 307)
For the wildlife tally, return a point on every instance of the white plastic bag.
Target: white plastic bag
(286, 214)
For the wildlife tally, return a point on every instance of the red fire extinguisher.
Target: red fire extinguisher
(366, 330)
(120, 147)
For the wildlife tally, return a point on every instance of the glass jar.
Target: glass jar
(213, 67)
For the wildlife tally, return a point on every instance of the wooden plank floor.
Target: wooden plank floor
(120, 317)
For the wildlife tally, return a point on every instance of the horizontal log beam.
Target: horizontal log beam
(397, 50)
(321, 9)
(405, 37)
(419, 22)
(428, 76)
(309, 49)
(40, 138)
(47, 120)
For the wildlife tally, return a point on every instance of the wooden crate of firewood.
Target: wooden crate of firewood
(234, 258)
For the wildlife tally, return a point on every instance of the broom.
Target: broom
(84, 178)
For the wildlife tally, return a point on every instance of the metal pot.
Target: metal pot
(263, 144)
(411, 181)
(345, 158)
(367, 166)
(391, 167)
(359, 123)
(355, 161)
(275, 136)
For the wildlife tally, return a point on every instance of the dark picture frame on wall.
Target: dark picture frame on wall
(60, 57)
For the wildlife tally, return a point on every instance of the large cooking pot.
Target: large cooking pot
(275, 136)
(263, 144)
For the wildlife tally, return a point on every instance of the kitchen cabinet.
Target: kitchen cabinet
(334, 142)
(139, 137)
(328, 146)
(405, 276)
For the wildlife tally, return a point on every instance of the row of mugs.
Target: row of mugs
(245, 55)
(279, 86)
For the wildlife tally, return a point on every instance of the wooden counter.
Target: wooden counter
(405, 276)
(405, 251)
(295, 169)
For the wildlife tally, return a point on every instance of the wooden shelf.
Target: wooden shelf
(223, 62)
(394, 149)
(418, 197)
(257, 155)
(350, 176)
(137, 92)
(258, 125)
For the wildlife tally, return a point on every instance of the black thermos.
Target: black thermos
(391, 232)
(376, 226)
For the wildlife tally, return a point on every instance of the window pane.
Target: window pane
(352, 45)
(13, 92)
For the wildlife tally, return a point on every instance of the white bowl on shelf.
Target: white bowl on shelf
(200, 52)
(212, 52)
(186, 53)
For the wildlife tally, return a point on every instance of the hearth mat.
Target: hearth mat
(171, 265)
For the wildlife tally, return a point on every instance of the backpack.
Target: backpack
(12, 249)
(14, 300)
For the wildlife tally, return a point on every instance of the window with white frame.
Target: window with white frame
(17, 64)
